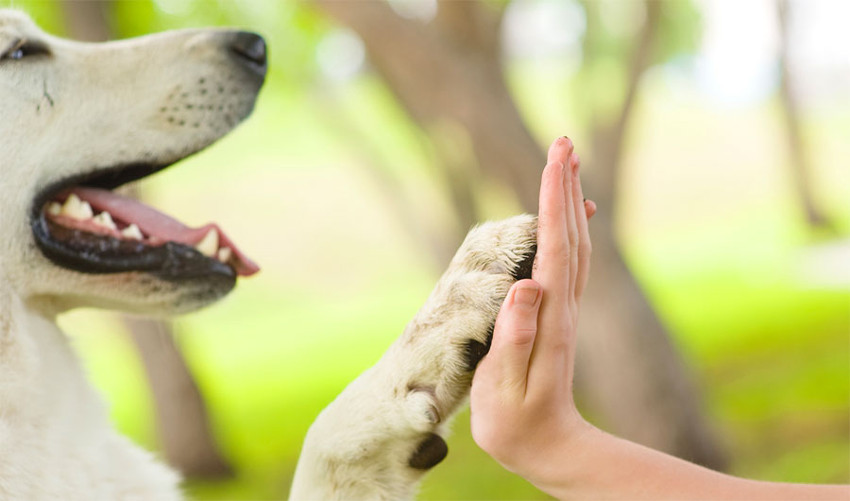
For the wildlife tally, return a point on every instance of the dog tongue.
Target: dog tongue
(160, 226)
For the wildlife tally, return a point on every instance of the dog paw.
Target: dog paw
(463, 307)
(378, 437)
(436, 356)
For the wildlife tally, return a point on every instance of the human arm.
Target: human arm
(523, 412)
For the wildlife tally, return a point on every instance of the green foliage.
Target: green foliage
(45, 12)
(613, 26)
(293, 29)
(770, 351)
(131, 19)
(610, 43)
(679, 30)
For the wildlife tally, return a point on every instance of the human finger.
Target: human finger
(560, 150)
(590, 208)
(583, 243)
(552, 272)
(552, 242)
(513, 339)
(570, 203)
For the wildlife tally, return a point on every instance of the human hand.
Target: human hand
(523, 413)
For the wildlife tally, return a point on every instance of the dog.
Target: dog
(80, 121)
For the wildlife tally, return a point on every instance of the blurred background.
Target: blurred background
(715, 137)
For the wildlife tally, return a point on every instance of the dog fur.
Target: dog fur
(380, 436)
(82, 108)
(86, 107)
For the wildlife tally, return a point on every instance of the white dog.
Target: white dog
(79, 120)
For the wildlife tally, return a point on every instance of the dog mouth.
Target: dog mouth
(83, 225)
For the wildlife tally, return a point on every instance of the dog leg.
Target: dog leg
(380, 436)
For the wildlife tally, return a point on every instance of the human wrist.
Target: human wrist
(560, 471)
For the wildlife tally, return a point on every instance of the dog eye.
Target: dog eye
(24, 48)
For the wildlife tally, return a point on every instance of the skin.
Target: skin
(523, 411)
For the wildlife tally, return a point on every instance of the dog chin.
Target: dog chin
(139, 293)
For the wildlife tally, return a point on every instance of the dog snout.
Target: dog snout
(249, 50)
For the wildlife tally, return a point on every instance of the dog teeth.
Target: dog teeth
(224, 254)
(54, 208)
(132, 232)
(104, 219)
(76, 208)
(209, 244)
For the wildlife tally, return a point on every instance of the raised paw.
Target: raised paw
(455, 325)
(434, 359)
(378, 437)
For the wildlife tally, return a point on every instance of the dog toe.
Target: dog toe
(475, 350)
(525, 266)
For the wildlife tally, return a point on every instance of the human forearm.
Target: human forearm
(597, 465)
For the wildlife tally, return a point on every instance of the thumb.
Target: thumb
(513, 336)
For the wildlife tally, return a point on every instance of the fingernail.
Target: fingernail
(526, 295)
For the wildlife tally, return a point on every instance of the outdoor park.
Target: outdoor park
(714, 139)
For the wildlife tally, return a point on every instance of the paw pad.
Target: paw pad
(430, 452)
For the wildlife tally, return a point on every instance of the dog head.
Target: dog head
(81, 119)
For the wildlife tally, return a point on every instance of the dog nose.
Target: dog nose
(249, 49)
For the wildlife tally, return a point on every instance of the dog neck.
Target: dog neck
(41, 380)
(54, 430)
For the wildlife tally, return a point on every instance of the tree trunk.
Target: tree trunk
(181, 413)
(440, 78)
(87, 21)
(630, 369)
(800, 165)
(449, 70)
